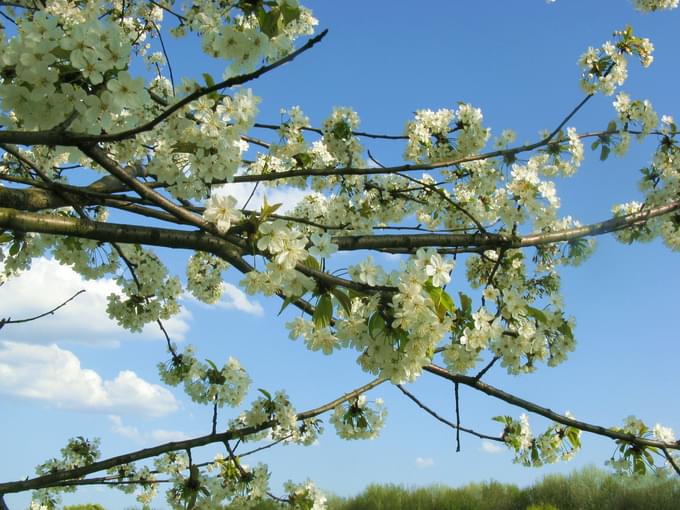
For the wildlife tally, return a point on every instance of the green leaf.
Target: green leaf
(287, 301)
(566, 330)
(342, 130)
(573, 437)
(604, 153)
(534, 455)
(611, 127)
(312, 263)
(324, 311)
(303, 160)
(536, 314)
(376, 325)
(465, 303)
(266, 394)
(269, 22)
(343, 299)
(290, 13)
(268, 209)
(15, 248)
(594, 145)
(209, 80)
(442, 301)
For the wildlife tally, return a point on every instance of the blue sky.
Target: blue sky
(516, 61)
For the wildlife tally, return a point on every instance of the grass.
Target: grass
(587, 489)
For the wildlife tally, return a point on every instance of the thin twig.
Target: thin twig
(484, 370)
(167, 57)
(50, 312)
(455, 393)
(214, 419)
(265, 447)
(444, 420)
(179, 17)
(671, 460)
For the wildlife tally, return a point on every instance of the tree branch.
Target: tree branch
(50, 312)
(544, 411)
(59, 477)
(59, 136)
(444, 420)
(415, 241)
(671, 460)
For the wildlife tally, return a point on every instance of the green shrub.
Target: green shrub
(587, 489)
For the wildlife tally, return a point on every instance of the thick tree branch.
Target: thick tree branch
(414, 241)
(545, 412)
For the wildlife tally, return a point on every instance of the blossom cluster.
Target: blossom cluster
(636, 458)
(605, 68)
(429, 134)
(357, 420)
(204, 277)
(205, 383)
(148, 294)
(305, 496)
(637, 112)
(338, 138)
(141, 480)
(558, 443)
(78, 452)
(277, 411)
(655, 5)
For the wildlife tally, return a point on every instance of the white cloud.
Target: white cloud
(286, 196)
(166, 436)
(393, 257)
(54, 375)
(84, 320)
(126, 431)
(235, 299)
(424, 462)
(492, 448)
(155, 436)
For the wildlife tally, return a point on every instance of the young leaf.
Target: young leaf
(312, 263)
(343, 299)
(442, 301)
(289, 13)
(324, 311)
(287, 301)
(376, 325)
(604, 153)
(536, 314)
(465, 303)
